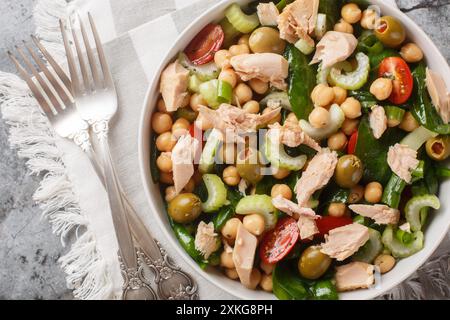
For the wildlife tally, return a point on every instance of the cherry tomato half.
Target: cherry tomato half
(398, 70)
(278, 242)
(327, 223)
(205, 44)
(352, 143)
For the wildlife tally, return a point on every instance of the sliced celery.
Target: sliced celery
(352, 80)
(337, 118)
(208, 90)
(418, 137)
(304, 47)
(242, 22)
(224, 92)
(209, 151)
(414, 206)
(259, 204)
(217, 193)
(399, 249)
(278, 157)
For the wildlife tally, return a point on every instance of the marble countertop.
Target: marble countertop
(28, 249)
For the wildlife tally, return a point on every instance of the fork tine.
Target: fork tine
(70, 60)
(55, 83)
(54, 101)
(101, 54)
(34, 89)
(59, 71)
(82, 62)
(90, 54)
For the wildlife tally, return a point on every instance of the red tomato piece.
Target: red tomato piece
(278, 242)
(327, 223)
(205, 44)
(398, 70)
(352, 143)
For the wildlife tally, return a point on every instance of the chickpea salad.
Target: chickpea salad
(299, 146)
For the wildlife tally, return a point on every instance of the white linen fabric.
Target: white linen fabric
(136, 34)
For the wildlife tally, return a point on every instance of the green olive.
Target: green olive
(438, 148)
(185, 208)
(349, 171)
(248, 166)
(313, 263)
(266, 39)
(186, 113)
(390, 32)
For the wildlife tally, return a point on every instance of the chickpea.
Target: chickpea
(197, 101)
(226, 260)
(254, 223)
(385, 262)
(164, 163)
(337, 209)
(381, 88)
(351, 108)
(190, 186)
(238, 49)
(251, 106)
(161, 106)
(411, 53)
(369, 19)
(231, 176)
(274, 120)
(322, 95)
(349, 126)
(161, 122)
(281, 190)
(319, 117)
(229, 76)
(232, 274)
(203, 123)
(351, 13)
(166, 178)
(229, 230)
(243, 93)
(356, 194)
(281, 173)
(343, 26)
(222, 58)
(244, 39)
(340, 95)
(266, 283)
(165, 142)
(180, 127)
(170, 193)
(255, 278)
(409, 123)
(259, 86)
(267, 267)
(373, 192)
(337, 141)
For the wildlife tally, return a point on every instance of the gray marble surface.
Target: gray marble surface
(28, 250)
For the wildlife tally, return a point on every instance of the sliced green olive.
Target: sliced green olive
(186, 113)
(390, 32)
(248, 165)
(349, 171)
(313, 263)
(266, 39)
(438, 148)
(185, 208)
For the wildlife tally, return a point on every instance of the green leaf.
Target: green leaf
(286, 284)
(332, 9)
(154, 154)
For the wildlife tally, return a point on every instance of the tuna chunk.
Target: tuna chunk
(344, 241)
(402, 160)
(182, 161)
(355, 275)
(232, 121)
(334, 47)
(378, 121)
(439, 94)
(268, 67)
(206, 240)
(381, 213)
(316, 176)
(267, 14)
(291, 135)
(307, 227)
(244, 254)
(298, 21)
(173, 86)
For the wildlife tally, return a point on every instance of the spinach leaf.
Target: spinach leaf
(154, 153)
(422, 107)
(377, 58)
(286, 283)
(265, 185)
(227, 212)
(301, 82)
(332, 194)
(366, 99)
(324, 290)
(373, 152)
(332, 9)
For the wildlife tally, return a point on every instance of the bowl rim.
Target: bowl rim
(146, 179)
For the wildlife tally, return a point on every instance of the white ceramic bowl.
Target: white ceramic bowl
(439, 221)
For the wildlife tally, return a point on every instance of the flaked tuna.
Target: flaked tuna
(343, 242)
(206, 240)
(439, 94)
(267, 67)
(378, 121)
(244, 254)
(292, 135)
(402, 160)
(355, 275)
(182, 157)
(267, 14)
(334, 47)
(173, 85)
(381, 213)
